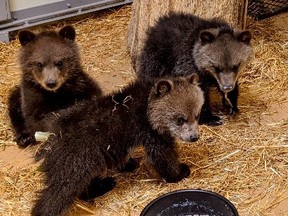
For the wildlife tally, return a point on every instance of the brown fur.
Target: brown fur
(52, 79)
(181, 44)
(181, 112)
(97, 136)
(211, 57)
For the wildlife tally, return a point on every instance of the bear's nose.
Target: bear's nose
(51, 83)
(194, 138)
(227, 88)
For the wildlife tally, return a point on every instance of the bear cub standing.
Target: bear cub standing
(52, 79)
(97, 136)
(182, 44)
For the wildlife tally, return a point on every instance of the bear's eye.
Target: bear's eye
(235, 68)
(197, 117)
(40, 66)
(59, 64)
(217, 70)
(180, 121)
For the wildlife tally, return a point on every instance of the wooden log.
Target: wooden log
(146, 12)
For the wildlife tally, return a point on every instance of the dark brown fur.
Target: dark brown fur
(181, 44)
(97, 136)
(52, 79)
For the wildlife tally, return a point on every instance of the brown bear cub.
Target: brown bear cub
(97, 136)
(182, 44)
(52, 79)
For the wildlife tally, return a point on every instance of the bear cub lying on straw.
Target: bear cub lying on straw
(97, 136)
(52, 79)
(180, 44)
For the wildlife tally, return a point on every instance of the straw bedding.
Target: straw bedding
(146, 13)
(245, 159)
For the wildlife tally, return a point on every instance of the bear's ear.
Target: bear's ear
(244, 36)
(163, 87)
(193, 79)
(26, 37)
(68, 32)
(207, 36)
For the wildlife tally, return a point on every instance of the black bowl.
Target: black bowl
(190, 203)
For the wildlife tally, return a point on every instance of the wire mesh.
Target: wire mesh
(261, 9)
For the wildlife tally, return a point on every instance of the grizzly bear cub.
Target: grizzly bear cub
(52, 79)
(97, 136)
(181, 44)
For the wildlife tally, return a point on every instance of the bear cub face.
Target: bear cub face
(52, 78)
(48, 59)
(223, 55)
(146, 115)
(171, 112)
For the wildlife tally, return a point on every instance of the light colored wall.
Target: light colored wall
(16, 5)
(4, 10)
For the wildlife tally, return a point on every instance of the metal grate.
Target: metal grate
(261, 9)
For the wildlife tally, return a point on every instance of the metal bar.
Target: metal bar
(4, 10)
(58, 15)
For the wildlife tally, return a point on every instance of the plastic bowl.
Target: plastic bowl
(190, 203)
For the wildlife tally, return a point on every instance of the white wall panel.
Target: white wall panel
(16, 5)
(4, 10)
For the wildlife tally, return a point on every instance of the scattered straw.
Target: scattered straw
(245, 159)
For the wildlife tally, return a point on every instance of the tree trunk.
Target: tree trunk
(146, 12)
